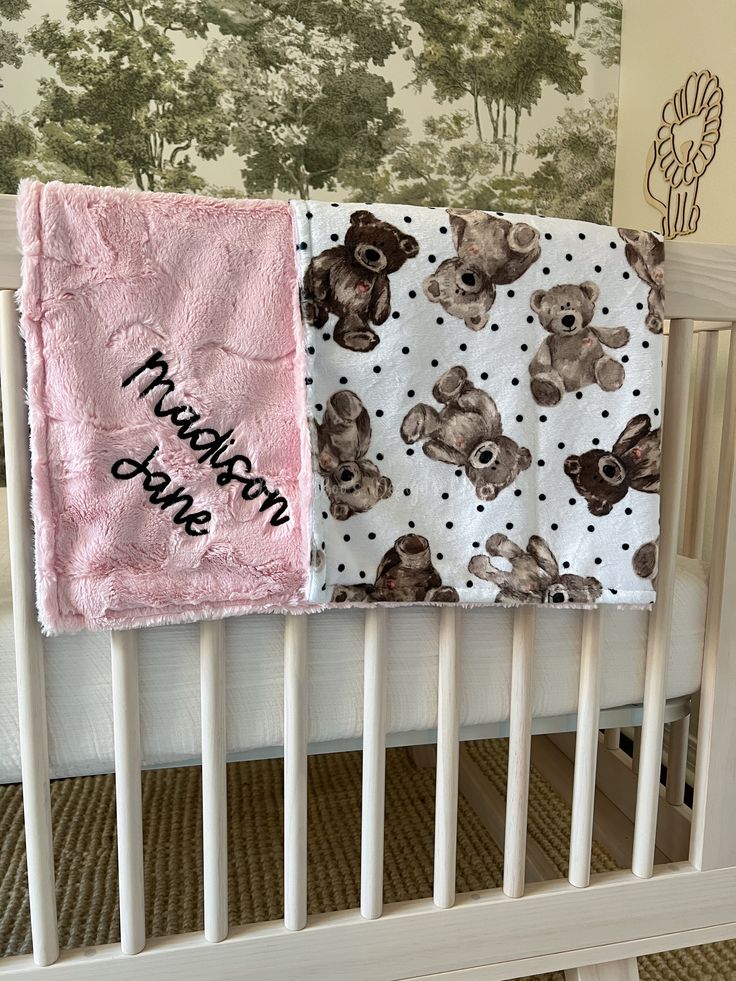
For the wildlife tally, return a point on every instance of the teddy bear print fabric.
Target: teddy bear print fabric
(483, 393)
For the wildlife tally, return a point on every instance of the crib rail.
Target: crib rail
(712, 848)
(674, 433)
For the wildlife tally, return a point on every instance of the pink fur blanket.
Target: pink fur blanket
(170, 454)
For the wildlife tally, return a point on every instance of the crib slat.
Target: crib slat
(374, 765)
(701, 440)
(128, 803)
(214, 778)
(520, 741)
(448, 753)
(586, 751)
(660, 620)
(295, 772)
(677, 760)
(29, 665)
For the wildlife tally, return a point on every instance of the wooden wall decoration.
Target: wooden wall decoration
(683, 149)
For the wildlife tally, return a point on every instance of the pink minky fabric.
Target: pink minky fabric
(110, 278)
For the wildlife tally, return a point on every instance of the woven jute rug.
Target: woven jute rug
(86, 874)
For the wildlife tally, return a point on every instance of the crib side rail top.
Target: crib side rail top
(700, 278)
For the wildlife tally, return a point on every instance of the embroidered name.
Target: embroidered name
(156, 482)
(208, 442)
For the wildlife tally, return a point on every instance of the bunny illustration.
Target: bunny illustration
(604, 477)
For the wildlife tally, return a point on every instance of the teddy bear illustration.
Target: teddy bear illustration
(316, 558)
(405, 574)
(491, 251)
(645, 255)
(534, 576)
(351, 280)
(353, 483)
(604, 477)
(467, 433)
(646, 561)
(572, 357)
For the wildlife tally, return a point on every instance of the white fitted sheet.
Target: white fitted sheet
(80, 703)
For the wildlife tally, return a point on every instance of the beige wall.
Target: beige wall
(662, 42)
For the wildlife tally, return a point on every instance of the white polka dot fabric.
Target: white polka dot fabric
(484, 399)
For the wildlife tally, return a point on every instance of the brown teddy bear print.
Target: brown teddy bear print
(646, 561)
(572, 357)
(405, 574)
(645, 255)
(351, 280)
(490, 251)
(467, 433)
(603, 477)
(534, 576)
(353, 483)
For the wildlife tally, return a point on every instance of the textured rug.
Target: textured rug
(84, 827)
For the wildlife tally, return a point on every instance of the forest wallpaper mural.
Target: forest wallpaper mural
(477, 103)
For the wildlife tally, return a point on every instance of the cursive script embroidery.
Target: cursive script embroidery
(156, 482)
(208, 442)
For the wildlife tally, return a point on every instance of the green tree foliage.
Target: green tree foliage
(575, 178)
(500, 54)
(298, 89)
(577, 14)
(445, 166)
(602, 34)
(303, 91)
(124, 106)
(371, 25)
(11, 49)
(17, 143)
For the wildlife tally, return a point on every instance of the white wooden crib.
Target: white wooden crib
(592, 926)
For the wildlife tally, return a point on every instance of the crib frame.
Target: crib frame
(592, 926)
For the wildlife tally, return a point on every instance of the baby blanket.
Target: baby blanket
(484, 397)
(464, 408)
(170, 458)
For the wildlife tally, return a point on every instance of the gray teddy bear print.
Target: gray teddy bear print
(467, 433)
(572, 357)
(534, 576)
(405, 574)
(351, 281)
(604, 477)
(353, 483)
(645, 561)
(645, 255)
(491, 251)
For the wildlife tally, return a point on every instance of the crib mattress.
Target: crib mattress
(79, 697)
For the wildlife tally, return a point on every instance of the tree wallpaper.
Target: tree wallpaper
(484, 103)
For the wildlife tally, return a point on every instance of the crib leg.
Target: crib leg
(677, 761)
(612, 739)
(614, 971)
